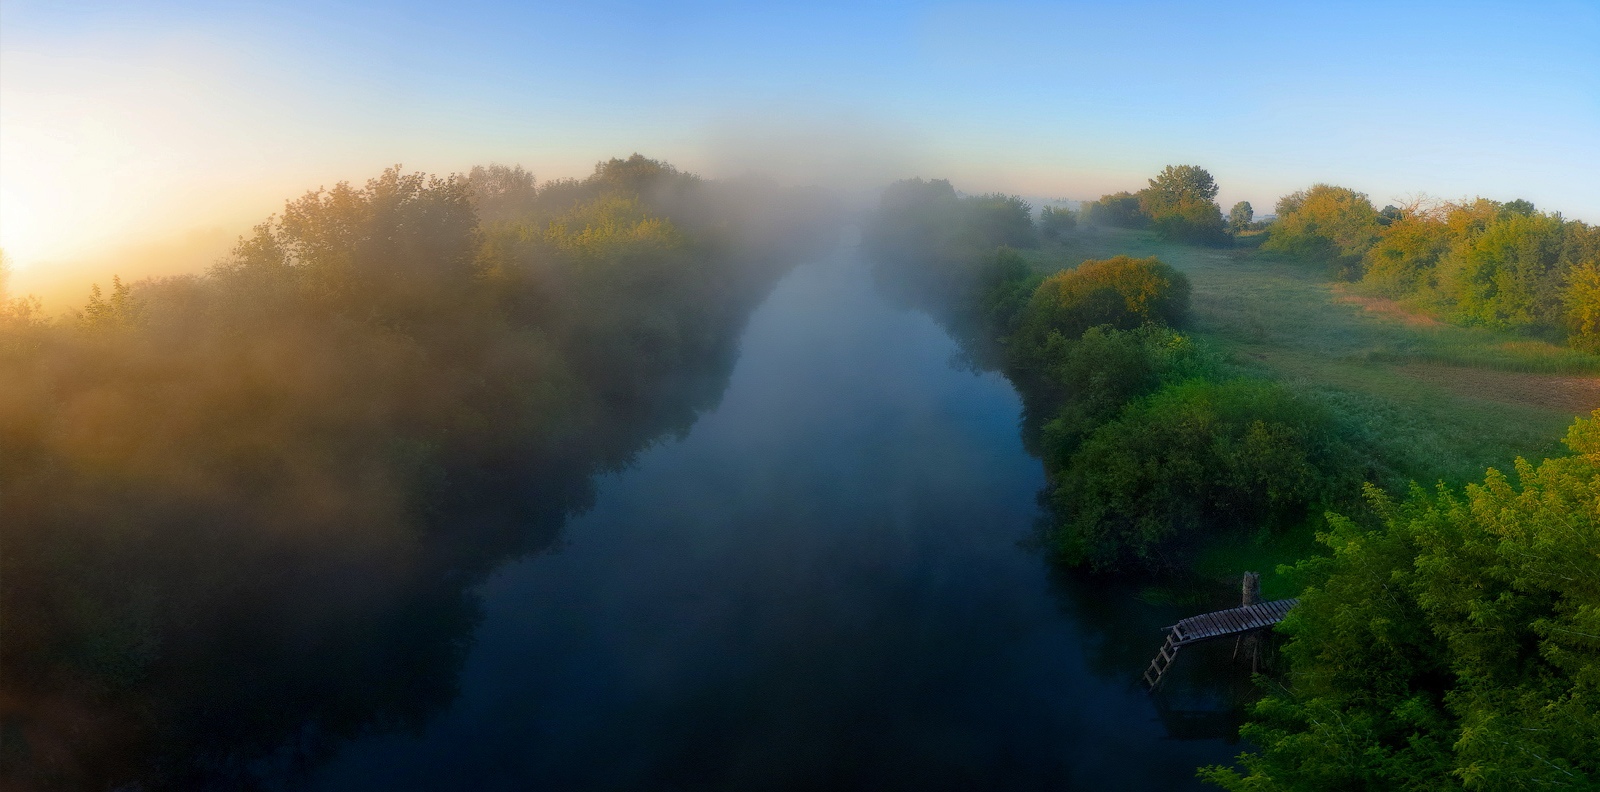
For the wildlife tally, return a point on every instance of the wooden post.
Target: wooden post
(1250, 594)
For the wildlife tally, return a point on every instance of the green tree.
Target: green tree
(1122, 292)
(1456, 646)
(1240, 216)
(1509, 274)
(1329, 225)
(1193, 462)
(1118, 210)
(1055, 223)
(996, 219)
(1582, 301)
(1179, 183)
(1180, 203)
(1402, 260)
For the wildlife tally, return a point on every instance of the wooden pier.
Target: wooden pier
(1253, 615)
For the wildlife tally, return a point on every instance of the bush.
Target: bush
(1402, 260)
(1330, 225)
(994, 219)
(1191, 462)
(1056, 223)
(1121, 292)
(1119, 210)
(1456, 647)
(1180, 203)
(1106, 369)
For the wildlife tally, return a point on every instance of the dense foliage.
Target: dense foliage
(1152, 444)
(1179, 204)
(1193, 462)
(1477, 263)
(1329, 225)
(1454, 646)
(244, 511)
(1240, 216)
(1118, 210)
(1120, 292)
(1056, 222)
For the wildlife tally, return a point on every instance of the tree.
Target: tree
(995, 219)
(1582, 300)
(1401, 262)
(1119, 210)
(1179, 183)
(1180, 203)
(1055, 223)
(1329, 225)
(1122, 292)
(1509, 274)
(1193, 461)
(1454, 646)
(1240, 216)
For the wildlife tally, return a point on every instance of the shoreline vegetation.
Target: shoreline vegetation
(1331, 398)
(245, 512)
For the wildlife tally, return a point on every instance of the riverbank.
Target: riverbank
(1441, 402)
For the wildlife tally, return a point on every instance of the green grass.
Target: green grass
(1280, 318)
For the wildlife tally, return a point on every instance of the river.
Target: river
(824, 584)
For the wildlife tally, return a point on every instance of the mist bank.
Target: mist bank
(244, 511)
(1445, 636)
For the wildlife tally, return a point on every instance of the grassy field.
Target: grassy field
(1442, 402)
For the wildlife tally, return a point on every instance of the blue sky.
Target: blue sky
(159, 119)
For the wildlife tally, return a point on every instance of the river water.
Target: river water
(824, 584)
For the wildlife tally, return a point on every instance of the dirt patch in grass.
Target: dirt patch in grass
(1579, 395)
(1385, 307)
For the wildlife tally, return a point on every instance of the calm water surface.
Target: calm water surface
(822, 586)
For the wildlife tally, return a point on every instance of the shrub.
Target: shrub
(1330, 225)
(1122, 292)
(1455, 647)
(1055, 223)
(1192, 461)
(1120, 210)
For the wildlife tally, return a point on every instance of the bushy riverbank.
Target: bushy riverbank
(1436, 645)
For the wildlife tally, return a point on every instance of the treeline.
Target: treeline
(1179, 204)
(1449, 639)
(243, 511)
(1154, 444)
(1503, 265)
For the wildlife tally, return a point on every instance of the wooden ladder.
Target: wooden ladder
(1158, 667)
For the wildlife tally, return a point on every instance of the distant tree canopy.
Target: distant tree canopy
(1056, 222)
(1330, 225)
(996, 218)
(1240, 216)
(1476, 262)
(1118, 210)
(1455, 646)
(1181, 205)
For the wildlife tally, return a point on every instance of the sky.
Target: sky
(150, 135)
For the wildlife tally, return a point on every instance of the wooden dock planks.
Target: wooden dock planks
(1232, 621)
(1217, 624)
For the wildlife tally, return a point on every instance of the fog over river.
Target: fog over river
(825, 584)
